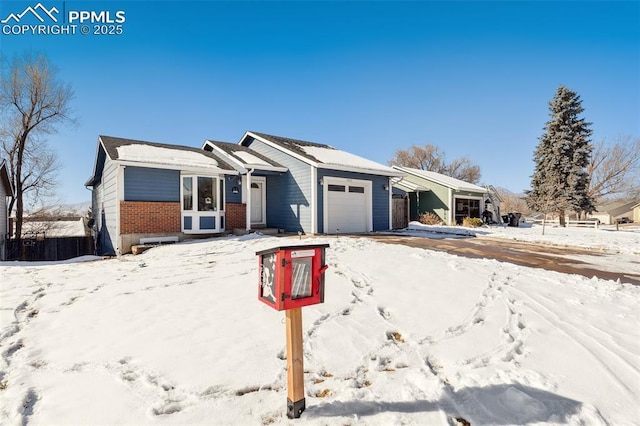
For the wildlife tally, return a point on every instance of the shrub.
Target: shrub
(429, 218)
(472, 222)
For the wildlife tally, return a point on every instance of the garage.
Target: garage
(347, 206)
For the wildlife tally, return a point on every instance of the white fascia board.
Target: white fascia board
(193, 170)
(95, 158)
(266, 168)
(360, 170)
(234, 162)
(280, 148)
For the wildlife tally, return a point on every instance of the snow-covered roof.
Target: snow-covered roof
(152, 154)
(323, 156)
(249, 158)
(155, 155)
(55, 227)
(447, 181)
(241, 157)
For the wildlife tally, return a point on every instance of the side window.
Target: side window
(187, 193)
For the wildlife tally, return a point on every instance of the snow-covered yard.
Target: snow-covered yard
(405, 336)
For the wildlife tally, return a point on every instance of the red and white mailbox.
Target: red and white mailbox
(292, 276)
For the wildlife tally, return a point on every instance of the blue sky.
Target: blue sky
(473, 78)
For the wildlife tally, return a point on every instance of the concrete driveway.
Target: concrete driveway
(569, 260)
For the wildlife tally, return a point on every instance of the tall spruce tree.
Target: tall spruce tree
(560, 180)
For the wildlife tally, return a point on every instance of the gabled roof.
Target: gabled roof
(156, 155)
(616, 207)
(447, 181)
(5, 179)
(320, 155)
(241, 157)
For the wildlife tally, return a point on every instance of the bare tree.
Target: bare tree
(431, 158)
(513, 203)
(33, 103)
(463, 169)
(614, 169)
(426, 157)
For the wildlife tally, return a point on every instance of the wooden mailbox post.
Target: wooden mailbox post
(292, 277)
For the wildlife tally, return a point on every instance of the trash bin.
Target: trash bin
(514, 219)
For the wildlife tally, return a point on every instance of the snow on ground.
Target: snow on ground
(405, 336)
(605, 238)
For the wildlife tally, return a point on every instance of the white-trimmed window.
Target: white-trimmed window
(202, 204)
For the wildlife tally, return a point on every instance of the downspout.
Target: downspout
(451, 207)
(94, 228)
(390, 203)
(248, 195)
(314, 201)
(119, 197)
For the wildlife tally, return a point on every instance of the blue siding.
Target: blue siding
(286, 203)
(288, 195)
(146, 184)
(229, 183)
(379, 197)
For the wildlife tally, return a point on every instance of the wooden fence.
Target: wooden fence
(49, 249)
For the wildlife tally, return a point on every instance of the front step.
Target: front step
(263, 231)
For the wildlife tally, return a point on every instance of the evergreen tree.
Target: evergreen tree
(560, 180)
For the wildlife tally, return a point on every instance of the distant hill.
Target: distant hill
(505, 191)
(75, 209)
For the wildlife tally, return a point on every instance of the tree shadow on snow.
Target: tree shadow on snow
(498, 404)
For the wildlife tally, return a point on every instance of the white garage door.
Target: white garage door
(348, 206)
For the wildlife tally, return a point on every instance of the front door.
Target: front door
(258, 202)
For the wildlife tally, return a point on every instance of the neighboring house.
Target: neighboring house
(146, 191)
(609, 211)
(301, 186)
(6, 192)
(449, 198)
(636, 213)
(52, 238)
(55, 227)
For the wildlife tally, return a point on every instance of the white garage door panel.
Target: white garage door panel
(347, 210)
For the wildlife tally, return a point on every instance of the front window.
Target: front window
(207, 191)
(202, 204)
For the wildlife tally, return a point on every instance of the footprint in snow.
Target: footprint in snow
(384, 312)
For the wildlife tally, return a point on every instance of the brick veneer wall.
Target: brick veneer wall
(143, 217)
(235, 216)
